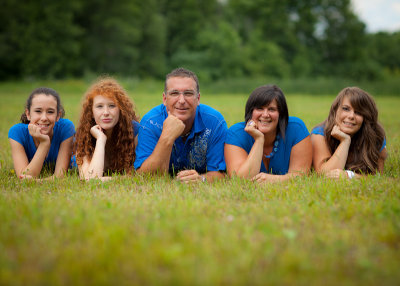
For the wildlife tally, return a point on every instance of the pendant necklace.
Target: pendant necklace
(274, 148)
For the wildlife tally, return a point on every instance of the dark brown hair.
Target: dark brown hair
(365, 145)
(263, 96)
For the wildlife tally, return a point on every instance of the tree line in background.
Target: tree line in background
(215, 38)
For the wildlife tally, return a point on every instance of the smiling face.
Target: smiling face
(105, 112)
(348, 120)
(43, 113)
(181, 98)
(266, 117)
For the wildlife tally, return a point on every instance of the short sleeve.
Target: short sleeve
(238, 137)
(319, 130)
(299, 129)
(383, 144)
(17, 133)
(147, 140)
(215, 154)
(135, 126)
(66, 129)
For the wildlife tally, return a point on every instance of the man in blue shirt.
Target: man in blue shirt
(182, 136)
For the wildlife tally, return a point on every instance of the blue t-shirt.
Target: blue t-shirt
(63, 129)
(295, 132)
(203, 149)
(135, 126)
(319, 130)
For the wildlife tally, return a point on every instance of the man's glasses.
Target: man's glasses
(186, 93)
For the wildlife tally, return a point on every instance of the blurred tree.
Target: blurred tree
(152, 42)
(184, 21)
(43, 38)
(264, 57)
(384, 49)
(10, 29)
(344, 41)
(112, 34)
(215, 38)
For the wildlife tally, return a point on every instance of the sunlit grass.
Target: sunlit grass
(153, 230)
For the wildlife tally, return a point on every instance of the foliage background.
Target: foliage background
(216, 38)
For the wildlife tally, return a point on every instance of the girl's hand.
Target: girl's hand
(339, 134)
(97, 132)
(34, 131)
(251, 128)
(336, 174)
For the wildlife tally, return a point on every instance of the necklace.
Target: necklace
(274, 148)
(185, 135)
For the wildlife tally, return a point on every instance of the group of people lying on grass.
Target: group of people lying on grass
(191, 141)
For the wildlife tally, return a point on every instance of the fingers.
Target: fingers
(338, 133)
(33, 129)
(96, 131)
(188, 176)
(336, 174)
(259, 177)
(35, 132)
(252, 129)
(173, 126)
(251, 123)
(26, 177)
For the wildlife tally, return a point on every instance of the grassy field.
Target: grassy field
(154, 230)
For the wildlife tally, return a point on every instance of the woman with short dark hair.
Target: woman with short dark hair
(269, 146)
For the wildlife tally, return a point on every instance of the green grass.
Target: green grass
(154, 230)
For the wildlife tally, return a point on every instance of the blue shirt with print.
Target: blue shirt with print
(203, 150)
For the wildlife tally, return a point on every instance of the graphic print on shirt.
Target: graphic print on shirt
(197, 156)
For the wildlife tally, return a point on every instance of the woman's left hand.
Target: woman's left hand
(251, 128)
(264, 177)
(336, 174)
(36, 133)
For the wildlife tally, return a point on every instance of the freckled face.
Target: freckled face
(105, 112)
(348, 120)
(266, 117)
(43, 113)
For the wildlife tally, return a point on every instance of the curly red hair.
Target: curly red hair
(122, 138)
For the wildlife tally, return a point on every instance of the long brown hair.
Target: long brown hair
(365, 145)
(121, 144)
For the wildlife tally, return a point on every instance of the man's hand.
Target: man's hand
(189, 176)
(251, 128)
(173, 127)
(339, 134)
(34, 131)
